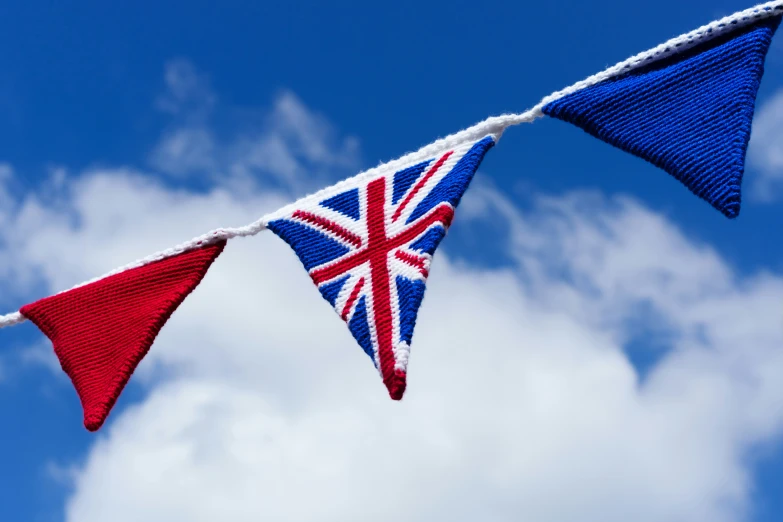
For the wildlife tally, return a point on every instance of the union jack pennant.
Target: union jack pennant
(368, 242)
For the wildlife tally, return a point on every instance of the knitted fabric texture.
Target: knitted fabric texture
(689, 114)
(368, 248)
(101, 331)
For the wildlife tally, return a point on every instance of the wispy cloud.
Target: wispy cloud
(766, 150)
(186, 150)
(188, 91)
(41, 354)
(289, 145)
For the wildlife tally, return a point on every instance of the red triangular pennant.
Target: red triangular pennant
(101, 331)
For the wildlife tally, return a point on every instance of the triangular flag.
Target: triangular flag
(367, 244)
(689, 114)
(102, 330)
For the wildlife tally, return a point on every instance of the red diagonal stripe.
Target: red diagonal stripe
(329, 272)
(352, 299)
(420, 184)
(331, 226)
(443, 213)
(414, 261)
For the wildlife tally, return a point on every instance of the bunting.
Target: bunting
(368, 242)
(368, 245)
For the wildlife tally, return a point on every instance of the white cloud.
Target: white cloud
(41, 354)
(289, 145)
(6, 171)
(188, 91)
(6, 180)
(522, 404)
(185, 150)
(766, 149)
(298, 148)
(310, 133)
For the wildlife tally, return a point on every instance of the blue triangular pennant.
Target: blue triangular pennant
(368, 245)
(689, 114)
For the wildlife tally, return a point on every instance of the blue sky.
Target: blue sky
(158, 119)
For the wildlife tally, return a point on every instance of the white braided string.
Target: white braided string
(11, 319)
(493, 126)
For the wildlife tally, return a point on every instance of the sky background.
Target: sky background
(596, 343)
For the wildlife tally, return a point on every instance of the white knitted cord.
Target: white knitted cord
(11, 319)
(493, 126)
(675, 45)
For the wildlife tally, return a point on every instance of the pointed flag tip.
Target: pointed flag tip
(396, 385)
(689, 114)
(101, 331)
(732, 210)
(93, 421)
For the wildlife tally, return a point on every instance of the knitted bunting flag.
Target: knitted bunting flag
(689, 113)
(102, 330)
(367, 244)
